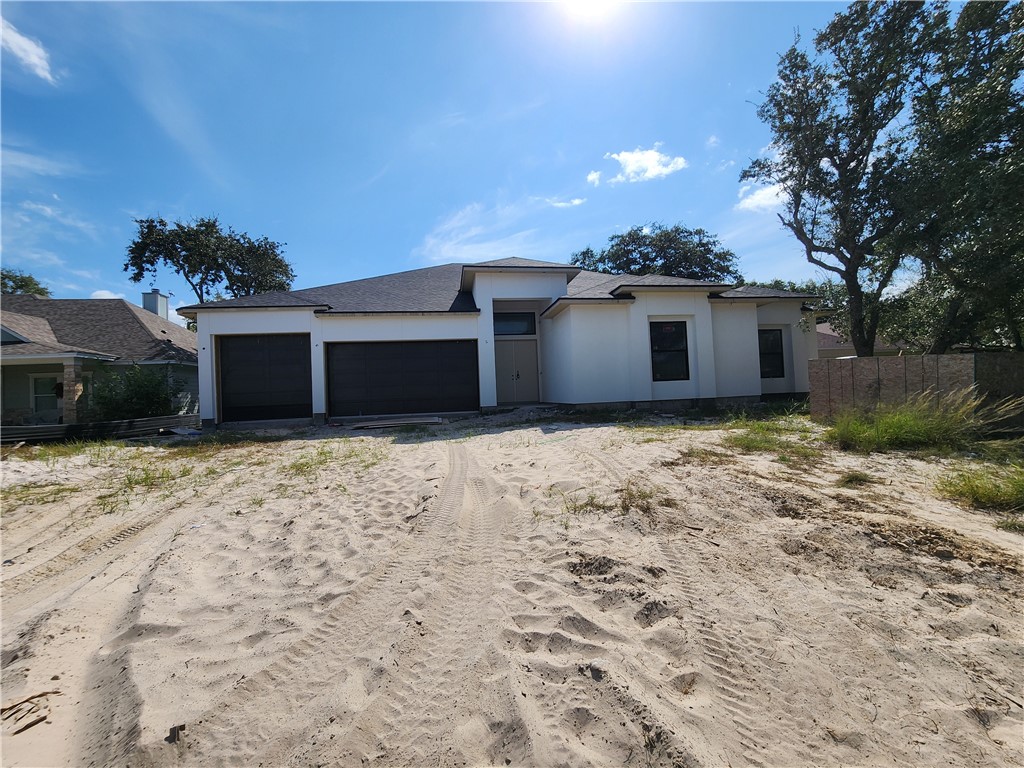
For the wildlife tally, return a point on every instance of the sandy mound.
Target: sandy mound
(551, 594)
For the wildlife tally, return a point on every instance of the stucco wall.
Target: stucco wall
(598, 354)
(487, 287)
(692, 308)
(737, 367)
(799, 346)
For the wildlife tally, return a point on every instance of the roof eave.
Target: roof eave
(630, 288)
(412, 312)
(191, 310)
(560, 305)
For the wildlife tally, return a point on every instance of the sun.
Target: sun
(590, 11)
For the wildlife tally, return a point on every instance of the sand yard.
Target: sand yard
(499, 593)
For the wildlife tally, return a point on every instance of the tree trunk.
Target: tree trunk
(862, 330)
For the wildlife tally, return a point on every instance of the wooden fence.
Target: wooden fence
(97, 430)
(865, 382)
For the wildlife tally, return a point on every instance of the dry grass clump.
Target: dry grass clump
(986, 486)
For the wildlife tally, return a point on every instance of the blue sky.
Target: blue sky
(378, 137)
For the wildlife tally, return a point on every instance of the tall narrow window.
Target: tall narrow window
(670, 359)
(769, 344)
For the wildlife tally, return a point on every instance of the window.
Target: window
(515, 324)
(44, 393)
(669, 358)
(769, 344)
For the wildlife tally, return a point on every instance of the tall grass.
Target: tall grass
(947, 422)
(987, 486)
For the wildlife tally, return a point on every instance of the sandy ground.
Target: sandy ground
(478, 595)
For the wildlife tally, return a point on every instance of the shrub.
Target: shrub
(137, 392)
(927, 421)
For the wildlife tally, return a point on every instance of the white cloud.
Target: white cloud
(554, 202)
(759, 199)
(725, 165)
(59, 217)
(21, 164)
(480, 233)
(645, 164)
(594, 177)
(712, 142)
(103, 293)
(29, 52)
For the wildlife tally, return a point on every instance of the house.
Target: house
(831, 345)
(476, 336)
(50, 350)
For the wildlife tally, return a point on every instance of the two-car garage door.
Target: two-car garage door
(268, 376)
(365, 378)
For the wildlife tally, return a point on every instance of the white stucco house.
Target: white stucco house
(470, 337)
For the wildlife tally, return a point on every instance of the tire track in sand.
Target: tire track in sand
(428, 709)
(339, 670)
(724, 655)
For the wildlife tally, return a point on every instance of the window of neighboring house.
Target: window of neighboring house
(515, 324)
(670, 360)
(769, 344)
(44, 393)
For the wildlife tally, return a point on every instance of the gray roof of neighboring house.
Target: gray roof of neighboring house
(106, 327)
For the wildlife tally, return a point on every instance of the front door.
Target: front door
(516, 369)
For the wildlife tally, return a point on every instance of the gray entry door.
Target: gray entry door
(516, 370)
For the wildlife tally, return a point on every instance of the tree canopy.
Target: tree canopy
(896, 146)
(653, 249)
(16, 281)
(210, 260)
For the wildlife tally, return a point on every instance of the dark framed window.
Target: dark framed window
(670, 359)
(515, 324)
(769, 345)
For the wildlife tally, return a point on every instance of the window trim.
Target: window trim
(781, 354)
(684, 349)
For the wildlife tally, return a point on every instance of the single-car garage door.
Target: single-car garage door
(265, 377)
(371, 378)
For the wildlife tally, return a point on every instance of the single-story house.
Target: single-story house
(831, 345)
(471, 337)
(50, 350)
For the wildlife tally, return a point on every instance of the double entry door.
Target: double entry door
(516, 369)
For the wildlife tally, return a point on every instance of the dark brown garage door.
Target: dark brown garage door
(371, 378)
(265, 377)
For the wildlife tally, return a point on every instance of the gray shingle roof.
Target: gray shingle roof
(757, 292)
(432, 289)
(98, 326)
(600, 285)
(442, 289)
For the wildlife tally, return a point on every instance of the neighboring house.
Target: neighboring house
(475, 336)
(831, 345)
(51, 349)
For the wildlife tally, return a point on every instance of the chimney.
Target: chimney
(155, 302)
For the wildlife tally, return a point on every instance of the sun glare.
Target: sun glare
(589, 11)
